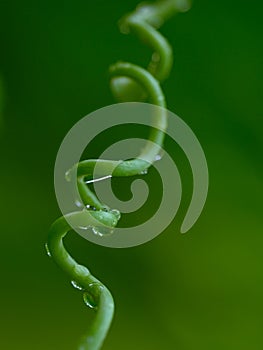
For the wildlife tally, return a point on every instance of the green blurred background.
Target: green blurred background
(202, 290)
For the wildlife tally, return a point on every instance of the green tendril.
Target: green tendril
(96, 295)
(128, 82)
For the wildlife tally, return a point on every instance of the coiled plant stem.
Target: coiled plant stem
(128, 83)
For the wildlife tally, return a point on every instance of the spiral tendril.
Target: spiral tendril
(128, 82)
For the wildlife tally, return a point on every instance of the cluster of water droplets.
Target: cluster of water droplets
(156, 159)
(144, 172)
(102, 230)
(88, 297)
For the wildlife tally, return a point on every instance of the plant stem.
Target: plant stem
(128, 83)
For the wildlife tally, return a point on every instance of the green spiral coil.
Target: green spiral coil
(128, 82)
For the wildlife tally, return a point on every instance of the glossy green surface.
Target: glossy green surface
(95, 211)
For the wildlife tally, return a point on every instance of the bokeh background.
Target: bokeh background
(202, 290)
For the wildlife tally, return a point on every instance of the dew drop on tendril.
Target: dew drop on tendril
(102, 231)
(88, 300)
(47, 250)
(116, 213)
(90, 207)
(76, 285)
(68, 176)
(158, 157)
(78, 204)
(83, 227)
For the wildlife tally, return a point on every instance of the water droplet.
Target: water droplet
(144, 172)
(90, 207)
(83, 227)
(81, 270)
(158, 157)
(76, 285)
(102, 231)
(78, 204)
(89, 300)
(68, 175)
(47, 250)
(116, 213)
